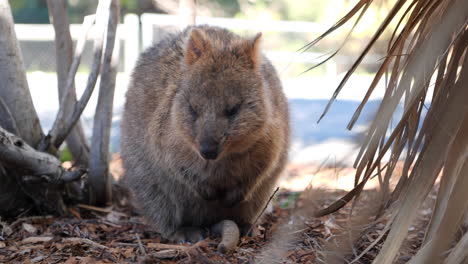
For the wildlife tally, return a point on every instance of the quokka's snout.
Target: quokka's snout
(209, 149)
(209, 137)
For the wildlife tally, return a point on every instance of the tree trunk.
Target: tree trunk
(13, 201)
(14, 90)
(58, 15)
(99, 178)
(30, 178)
(6, 118)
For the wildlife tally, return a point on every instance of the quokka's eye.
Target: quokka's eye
(193, 112)
(232, 112)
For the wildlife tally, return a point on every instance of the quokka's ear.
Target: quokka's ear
(256, 54)
(251, 48)
(197, 44)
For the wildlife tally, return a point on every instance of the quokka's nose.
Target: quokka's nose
(209, 149)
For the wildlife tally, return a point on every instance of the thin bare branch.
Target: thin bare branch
(58, 16)
(64, 123)
(61, 115)
(63, 129)
(99, 178)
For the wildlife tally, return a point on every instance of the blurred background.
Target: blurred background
(287, 26)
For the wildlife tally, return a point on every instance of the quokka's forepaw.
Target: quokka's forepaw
(188, 234)
(211, 194)
(232, 198)
(246, 230)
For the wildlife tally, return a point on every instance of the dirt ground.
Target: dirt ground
(116, 235)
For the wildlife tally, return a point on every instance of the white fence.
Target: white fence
(137, 33)
(128, 32)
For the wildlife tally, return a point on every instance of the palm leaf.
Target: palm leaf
(427, 50)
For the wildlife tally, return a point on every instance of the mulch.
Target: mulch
(117, 235)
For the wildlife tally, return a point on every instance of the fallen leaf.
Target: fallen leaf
(29, 228)
(59, 246)
(37, 259)
(7, 230)
(74, 212)
(2, 244)
(166, 254)
(87, 260)
(38, 246)
(71, 260)
(167, 246)
(12, 248)
(128, 253)
(36, 239)
(114, 217)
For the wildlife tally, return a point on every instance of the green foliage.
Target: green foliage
(290, 200)
(65, 155)
(305, 10)
(35, 11)
(30, 11)
(130, 5)
(223, 8)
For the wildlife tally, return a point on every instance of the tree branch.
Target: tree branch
(58, 16)
(62, 113)
(62, 126)
(15, 152)
(99, 180)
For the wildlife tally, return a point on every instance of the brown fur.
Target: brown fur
(203, 88)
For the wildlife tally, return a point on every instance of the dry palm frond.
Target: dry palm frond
(427, 51)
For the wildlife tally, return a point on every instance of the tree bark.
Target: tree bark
(6, 118)
(99, 178)
(58, 16)
(15, 153)
(30, 178)
(14, 88)
(13, 201)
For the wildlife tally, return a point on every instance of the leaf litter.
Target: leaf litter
(117, 234)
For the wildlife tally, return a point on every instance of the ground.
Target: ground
(116, 235)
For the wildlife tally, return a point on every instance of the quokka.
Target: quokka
(205, 132)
